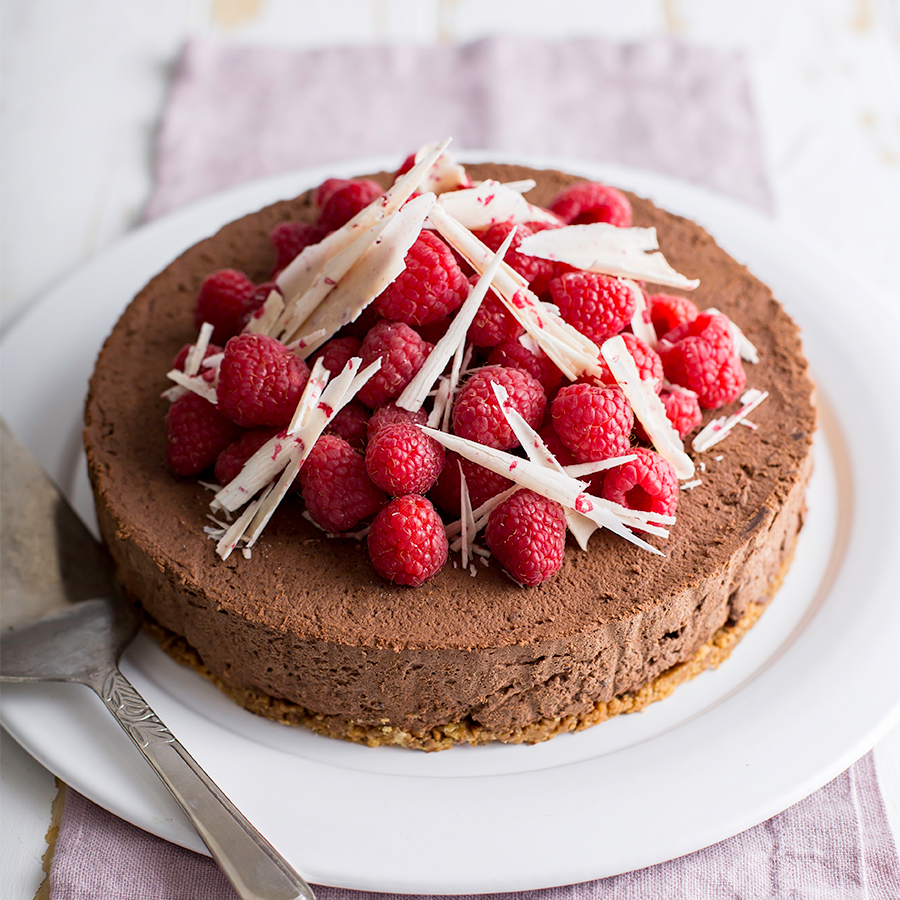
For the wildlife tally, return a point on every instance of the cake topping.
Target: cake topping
(718, 428)
(590, 201)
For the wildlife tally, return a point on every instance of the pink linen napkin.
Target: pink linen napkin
(236, 114)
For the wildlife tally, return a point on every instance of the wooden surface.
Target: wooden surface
(84, 85)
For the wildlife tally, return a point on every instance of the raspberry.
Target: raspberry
(290, 238)
(669, 310)
(649, 364)
(481, 483)
(647, 483)
(431, 286)
(351, 423)
(700, 355)
(516, 355)
(346, 201)
(196, 433)
(593, 422)
(182, 355)
(493, 323)
(401, 459)
(402, 353)
(554, 444)
(336, 353)
(223, 302)
(393, 415)
(323, 192)
(407, 541)
(260, 381)
(588, 201)
(536, 271)
(527, 535)
(336, 488)
(231, 460)
(477, 415)
(597, 305)
(682, 410)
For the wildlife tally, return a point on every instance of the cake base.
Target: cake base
(710, 656)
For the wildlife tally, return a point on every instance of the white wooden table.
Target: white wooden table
(84, 85)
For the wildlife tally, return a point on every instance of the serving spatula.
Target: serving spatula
(64, 620)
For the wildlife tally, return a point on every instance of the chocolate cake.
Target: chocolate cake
(305, 631)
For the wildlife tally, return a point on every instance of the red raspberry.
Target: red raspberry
(336, 488)
(323, 192)
(402, 353)
(649, 364)
(223, 302)
(393, 415)
(336, 353)
(351, 423)
(402, 459)
(593, 422)
(196, 433)
(588, 201)
(481, 483)
(527, 535)
(477, 415)
(434, 331)
(536, 271)
(682, 410)
(407, 541)
(516, 355)
(648, 483)
(669, 310)
(260, 381)
(700, 355)
(231, 460)
(182, 355)
(597, 305)
(289, 238)
(345, 202)
(554, 444)
(493, 323)
(431, 286)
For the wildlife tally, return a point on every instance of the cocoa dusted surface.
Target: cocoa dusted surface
(308, 620)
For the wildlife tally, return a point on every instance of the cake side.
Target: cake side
(459, 648)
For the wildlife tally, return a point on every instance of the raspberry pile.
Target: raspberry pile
(373, 469)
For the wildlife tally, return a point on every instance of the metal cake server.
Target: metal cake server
(70, 624)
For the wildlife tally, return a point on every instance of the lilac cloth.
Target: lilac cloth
(236, 114)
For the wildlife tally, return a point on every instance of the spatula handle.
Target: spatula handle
(255, 869)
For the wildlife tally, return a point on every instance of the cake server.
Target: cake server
(64, 620)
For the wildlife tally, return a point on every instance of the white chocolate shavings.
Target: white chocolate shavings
(445, 173)
(198, 351)
(488, 203)
(283, 455)
(719, 428)
(266, 317)
(301, 343)
(641, 327)
(601, 247)
(300, 273)
(453, 341)
(551, 484)
(380, 263)
(571, 351)
(195, 384)
(647, 406)
(745, 348)
(466, 518)
(690, 485)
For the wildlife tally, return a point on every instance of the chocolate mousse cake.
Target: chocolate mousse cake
(304, 630)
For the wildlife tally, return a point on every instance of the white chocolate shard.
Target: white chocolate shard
(375, 269)
(445, 173)
(718, 429)
(641, 327)
(453, 340)
(601, 247)
(546, 482)
(198, 351)
(296, 277)
(488, 203)
(647, 406)
(196, 384)
(266, 317)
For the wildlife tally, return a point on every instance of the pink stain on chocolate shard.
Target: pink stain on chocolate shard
(512, 466)
(330, 281)
(328, 410)
(582, 504)
(518, 300)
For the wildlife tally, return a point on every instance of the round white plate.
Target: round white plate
(812, 687)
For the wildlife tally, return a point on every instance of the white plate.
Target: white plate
(808, 691)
